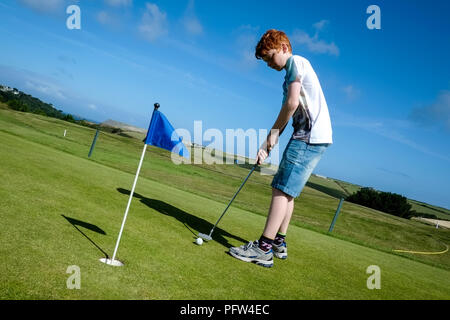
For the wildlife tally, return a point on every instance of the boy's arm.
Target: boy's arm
(286, 112)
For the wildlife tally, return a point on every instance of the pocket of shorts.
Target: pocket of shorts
(317, 148)
(295, 151)
(313, 155)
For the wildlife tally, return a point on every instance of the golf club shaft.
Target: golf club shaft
(248, 176)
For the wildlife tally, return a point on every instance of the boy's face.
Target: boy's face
(276, 59)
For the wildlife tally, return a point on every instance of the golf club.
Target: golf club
(207, 237)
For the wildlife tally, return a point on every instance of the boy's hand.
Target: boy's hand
(272, 140)
(261, 156)
(267, 146)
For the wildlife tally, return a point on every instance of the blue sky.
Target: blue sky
(388, 90)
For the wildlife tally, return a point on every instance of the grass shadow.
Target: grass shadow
(190, 221)
(89, 226)
(329, 191)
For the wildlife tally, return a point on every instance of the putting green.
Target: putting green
(59, 209)
(42, 187)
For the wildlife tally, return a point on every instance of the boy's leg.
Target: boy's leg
(287, 218)
(261, 251)
(279, 246)
(298, 162)
(280, 213)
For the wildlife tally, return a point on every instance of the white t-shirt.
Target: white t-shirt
(311, 121)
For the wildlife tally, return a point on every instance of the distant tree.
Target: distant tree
(414, 213)
(40, 112)
(27, 103)
(68, 117)
(391, 203)
(17, 105)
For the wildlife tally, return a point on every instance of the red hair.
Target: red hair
(272, 39)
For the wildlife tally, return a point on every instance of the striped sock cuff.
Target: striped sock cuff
(280, 238)
(265, 243)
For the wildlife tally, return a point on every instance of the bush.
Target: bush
(423, 215)
(387, 202)
(17, 105)
(40, 112)
(68, 117)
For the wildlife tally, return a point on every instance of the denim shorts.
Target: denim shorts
(298, 162)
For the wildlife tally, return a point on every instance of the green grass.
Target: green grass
(48, 181)
(440, 213)
(338, 188)
(349, 188)
(314, 208)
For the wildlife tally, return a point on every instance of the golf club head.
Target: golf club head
(205, 236)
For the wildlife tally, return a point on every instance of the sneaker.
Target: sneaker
(280, 251)
(251, 252)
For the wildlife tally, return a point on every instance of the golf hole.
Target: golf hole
(115, 263)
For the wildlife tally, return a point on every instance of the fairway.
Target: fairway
(59, 209)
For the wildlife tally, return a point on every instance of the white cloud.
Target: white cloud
(108, 19)
(154, 23)
(437, 113)
(43, 6)
(387, 128)
(351, 92)
(313, 43)
(63, 72)
(50, 91)
(190, 21)
(103, 17)
(192, 26)
(321, 25)
(398, 137)
(119, 3)
(46, 88)
(245, 44)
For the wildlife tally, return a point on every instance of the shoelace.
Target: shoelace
(248, 245)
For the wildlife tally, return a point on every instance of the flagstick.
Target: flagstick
(113, 261)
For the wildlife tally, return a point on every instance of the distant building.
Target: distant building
(323, 177)
(6, 88)
(9, 89)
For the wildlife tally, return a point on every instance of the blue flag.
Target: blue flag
(161, 134)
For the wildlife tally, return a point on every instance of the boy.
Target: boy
(303, 100)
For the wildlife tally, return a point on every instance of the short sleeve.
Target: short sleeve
(295, 71)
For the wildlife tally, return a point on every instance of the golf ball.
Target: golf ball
(199, 241)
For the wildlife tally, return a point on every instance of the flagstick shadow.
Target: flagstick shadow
(190, 221)
(75, 222)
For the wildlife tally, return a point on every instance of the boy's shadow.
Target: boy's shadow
(190, 221)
